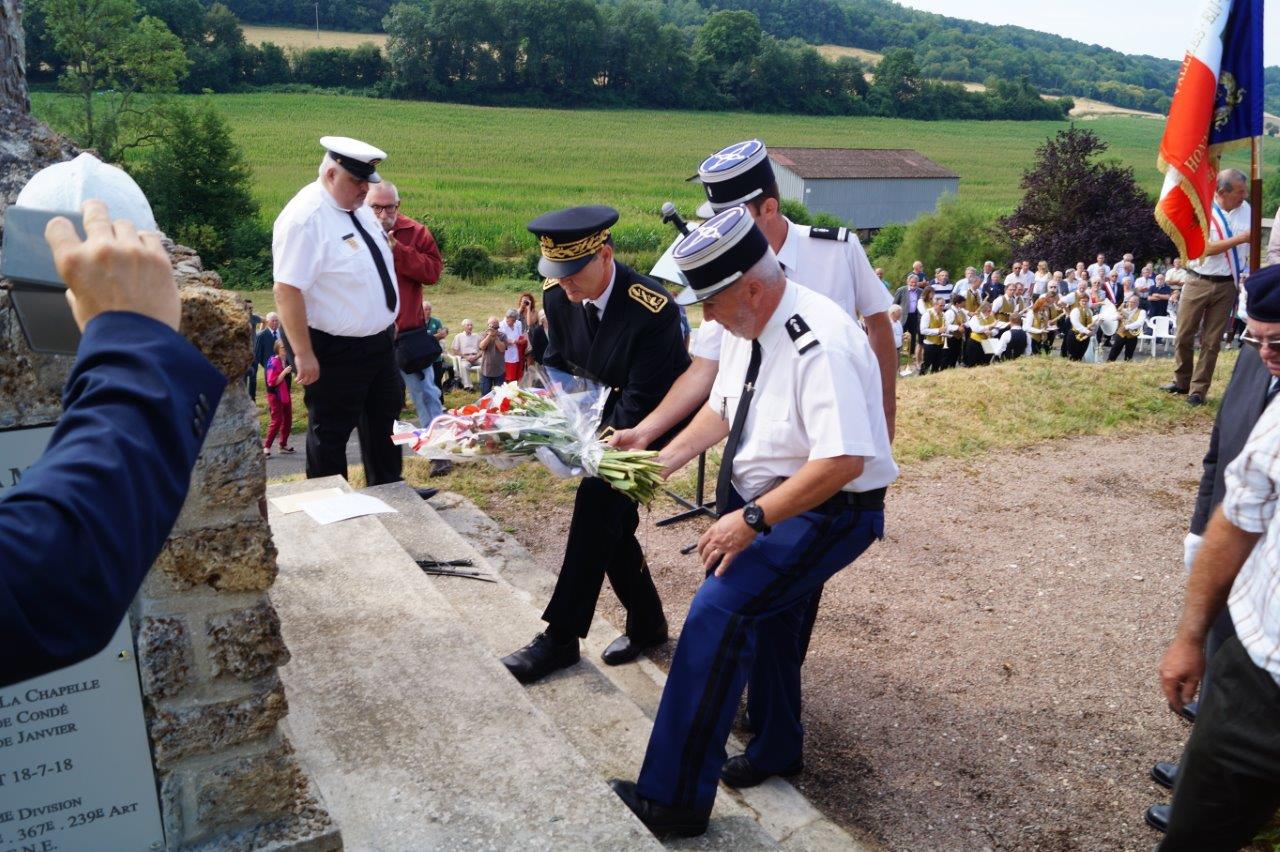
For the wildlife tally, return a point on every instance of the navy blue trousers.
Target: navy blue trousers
(749, 620)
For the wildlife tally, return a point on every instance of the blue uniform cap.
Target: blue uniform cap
(735, 175)
(1262, 295)
(570, 238)
(716, 253)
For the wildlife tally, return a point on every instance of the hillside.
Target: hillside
(946, 48)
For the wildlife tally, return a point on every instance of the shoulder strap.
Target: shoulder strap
(838, 234)
(800, 334)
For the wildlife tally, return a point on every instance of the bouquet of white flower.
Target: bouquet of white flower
(558, 426)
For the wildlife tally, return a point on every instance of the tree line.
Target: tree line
(539, 52)
(945, 48)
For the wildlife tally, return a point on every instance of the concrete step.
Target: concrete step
(417, 737)
(606, 711)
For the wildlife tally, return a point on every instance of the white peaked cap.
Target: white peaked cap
(65, 186)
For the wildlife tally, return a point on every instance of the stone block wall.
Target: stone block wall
(207, 638)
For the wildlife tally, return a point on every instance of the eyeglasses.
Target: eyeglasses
(384, 208)
(1272, 343)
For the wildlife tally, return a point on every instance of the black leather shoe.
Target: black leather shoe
(427, 493)
(1172, 387)
(540, 658)
(1165, 774)
(1189, 710)
(738, 772)
(624, 649)
(660, 819)
(1195, 399)
(1157, 816)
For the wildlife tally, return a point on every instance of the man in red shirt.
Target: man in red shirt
(418, 262)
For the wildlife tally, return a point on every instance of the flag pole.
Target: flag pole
(1255, 205)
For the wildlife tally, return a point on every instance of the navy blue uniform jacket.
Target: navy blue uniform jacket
(80, 531)
(638, 350)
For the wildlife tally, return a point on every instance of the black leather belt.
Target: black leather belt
(1217, 279)
(865, 500)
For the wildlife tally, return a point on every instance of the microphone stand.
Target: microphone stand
(700, 505)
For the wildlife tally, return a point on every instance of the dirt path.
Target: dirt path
(985, 677)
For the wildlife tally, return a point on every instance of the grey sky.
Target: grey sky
(1155, 27)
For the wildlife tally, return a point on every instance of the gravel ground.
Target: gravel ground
(985, 677)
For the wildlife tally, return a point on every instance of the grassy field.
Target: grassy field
(301, 38)
(479, 173)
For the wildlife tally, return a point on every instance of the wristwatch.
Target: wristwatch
(754, 516)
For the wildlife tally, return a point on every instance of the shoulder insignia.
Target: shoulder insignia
(801, 336)
(549, 283)
(653, 302)
(838, 234)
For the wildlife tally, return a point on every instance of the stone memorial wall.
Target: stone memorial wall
(207, 639)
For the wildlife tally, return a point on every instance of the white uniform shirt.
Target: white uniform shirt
(316, 248)
(511, 355)
(822, 403)
(1252, 488)
(838, 269)
(1231, 261)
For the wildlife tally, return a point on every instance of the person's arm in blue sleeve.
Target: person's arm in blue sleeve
(80, 531)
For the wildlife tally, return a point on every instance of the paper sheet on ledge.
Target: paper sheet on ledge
(294, 502)
(344, 507)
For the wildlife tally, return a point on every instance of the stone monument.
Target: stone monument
(207, 639)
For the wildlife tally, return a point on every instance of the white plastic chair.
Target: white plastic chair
(1161, 331)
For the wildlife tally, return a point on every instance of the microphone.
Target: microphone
(672, 216)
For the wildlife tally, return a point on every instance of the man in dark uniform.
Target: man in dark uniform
(80, 531)
(1250, 391)
(608, 324)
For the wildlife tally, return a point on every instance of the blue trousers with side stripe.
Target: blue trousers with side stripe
(749, 620)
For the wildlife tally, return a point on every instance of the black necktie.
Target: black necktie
(593, 318)
(388, 288)
(724, 484)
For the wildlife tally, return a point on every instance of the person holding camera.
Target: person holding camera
(79, 532)
(336, 297)
(493, 348)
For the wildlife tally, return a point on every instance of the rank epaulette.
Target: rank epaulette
(653, 302)
(801, 336)
(549, 283)
(838, 234)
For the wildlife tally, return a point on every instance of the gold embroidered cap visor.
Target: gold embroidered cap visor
(570, 238)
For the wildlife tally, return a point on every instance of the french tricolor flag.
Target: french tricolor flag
(1217, 105)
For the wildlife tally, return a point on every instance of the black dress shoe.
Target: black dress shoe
(541, 657)
(427, 493)
(1172, 387)
(660, 819)
(1165, 774)
(624, 649)
(738, 772)
(1157, 816)
(1195, 399)
(1189, 710)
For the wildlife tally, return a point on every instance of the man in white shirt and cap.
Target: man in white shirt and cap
(800, 496)
(1213, 282)
(337, 298)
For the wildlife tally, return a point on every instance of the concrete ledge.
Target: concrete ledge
(415, 735)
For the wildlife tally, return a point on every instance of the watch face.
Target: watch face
(753, 515)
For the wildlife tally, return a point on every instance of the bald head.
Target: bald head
(384, 200)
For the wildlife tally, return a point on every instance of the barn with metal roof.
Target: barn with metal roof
(866, 188)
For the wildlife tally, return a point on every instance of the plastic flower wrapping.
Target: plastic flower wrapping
(558, 425)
